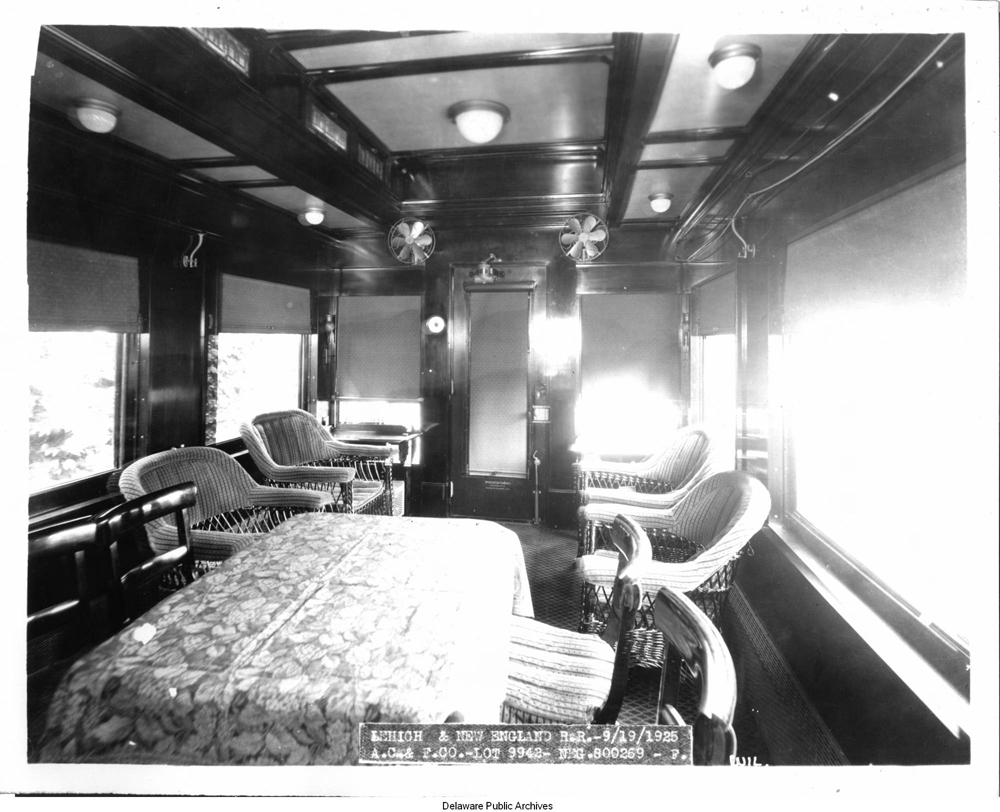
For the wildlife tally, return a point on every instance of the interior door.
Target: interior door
(497, 386)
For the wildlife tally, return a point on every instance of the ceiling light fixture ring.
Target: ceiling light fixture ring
(94, 115)
(478, 120)
(660, 201)
(735, 64)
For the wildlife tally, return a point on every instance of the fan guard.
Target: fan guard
(411, 241)
(584, 237)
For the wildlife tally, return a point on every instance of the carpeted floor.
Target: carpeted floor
(550, 556)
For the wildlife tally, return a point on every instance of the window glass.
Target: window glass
(718, 394)
(390, 412)
(71, 405)
(257, 373)
(630, 373)
(877, 464)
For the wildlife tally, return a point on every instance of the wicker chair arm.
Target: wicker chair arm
(600, 570)
(310, 474)
(341, 449)
(207, 545)
(636, 498)
(266, 496)
(604, 513)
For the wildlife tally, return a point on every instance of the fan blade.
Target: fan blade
(589, 223)
(424, 240)
(574, 224)
(598, 236)
(398, 242)
(575, 250)
(404, 253)
(566, 239)
(418, 254)
(403, 230)
(417, 230)
(591, 250)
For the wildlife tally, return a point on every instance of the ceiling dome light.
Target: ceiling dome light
(479, 121)
(660, 202)
(94, 115)
(734, 65)
(312, 216)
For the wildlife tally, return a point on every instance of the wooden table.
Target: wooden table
(277, 656)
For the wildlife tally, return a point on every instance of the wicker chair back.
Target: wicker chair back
(293, 436)
(222, 483)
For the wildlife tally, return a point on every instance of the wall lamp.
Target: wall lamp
(734, 65)
(312, 216)
(94, 115)
(660, 202)
(479, 121)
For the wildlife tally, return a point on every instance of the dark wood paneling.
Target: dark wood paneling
(176, 353)
(635, 278)
(874, 716)
(168, 71)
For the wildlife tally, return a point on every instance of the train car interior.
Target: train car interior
(405, 305)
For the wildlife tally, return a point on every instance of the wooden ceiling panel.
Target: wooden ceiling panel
(683, 183)
(548, 103)
(435, 45)
(295, 201)
(692, 98)
(55, 85)
(686, 150)
(235, 174)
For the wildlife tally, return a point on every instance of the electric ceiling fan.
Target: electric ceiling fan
(411, 241)
(583, 237)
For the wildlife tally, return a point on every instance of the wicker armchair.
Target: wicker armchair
(560, 676)
(232, 511)
(310, 474)
(658, 481)
(697, 655)
(295, 437)
(698, 543)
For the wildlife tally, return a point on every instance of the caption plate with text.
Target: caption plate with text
(382, 743)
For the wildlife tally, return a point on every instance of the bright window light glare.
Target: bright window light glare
(624, 418)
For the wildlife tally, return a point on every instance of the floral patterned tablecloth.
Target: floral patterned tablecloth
(277, 655)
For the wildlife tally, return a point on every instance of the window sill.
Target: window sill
(906, 646)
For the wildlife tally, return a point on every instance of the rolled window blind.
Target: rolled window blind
(378, 347)
(630, 342)
(256, 306)
(907, 251)
(76, 289)
(715, 307)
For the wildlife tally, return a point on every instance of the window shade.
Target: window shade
(378, 347)
(906, 251)
(74, 289)
(630, 343)
(715, 307)
(255, 306)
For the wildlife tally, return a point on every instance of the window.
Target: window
(713, 360)
(257, 373)
(83, 362)
(259, 361)
(72, 405)
(630, 372)
(877, 464)
(718, 390)
(378, 360)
